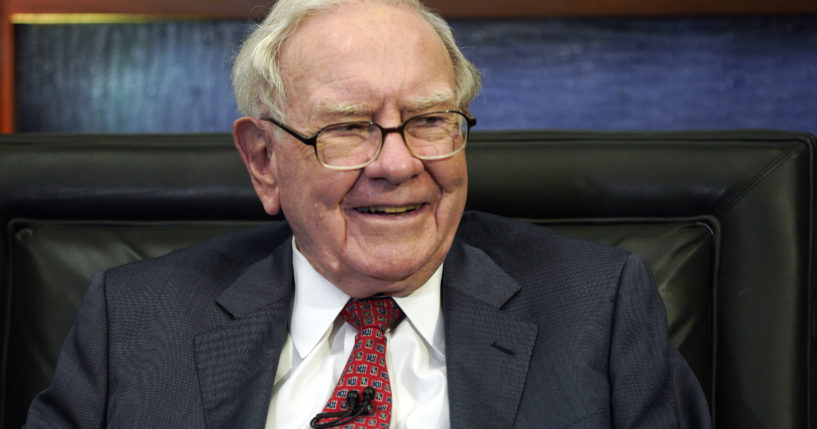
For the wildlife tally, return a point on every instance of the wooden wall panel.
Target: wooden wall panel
(220, 9)
(449, 8)
(586, 8)
(6, 70)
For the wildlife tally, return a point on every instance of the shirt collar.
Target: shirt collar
(422, 309)
(318, 302)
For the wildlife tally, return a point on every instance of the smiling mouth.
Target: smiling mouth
(388, 210)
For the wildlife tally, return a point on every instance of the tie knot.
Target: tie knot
(377, 313)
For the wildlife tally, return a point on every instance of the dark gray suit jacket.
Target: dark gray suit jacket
(542, 331)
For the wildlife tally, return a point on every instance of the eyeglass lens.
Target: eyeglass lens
(429, 136)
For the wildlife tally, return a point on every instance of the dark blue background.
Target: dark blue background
(603, 74)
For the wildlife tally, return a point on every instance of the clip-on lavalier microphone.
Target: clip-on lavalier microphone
(355, 410)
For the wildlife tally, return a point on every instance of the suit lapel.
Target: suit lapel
(237, 360)
(487, 351)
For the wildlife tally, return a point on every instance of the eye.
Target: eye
(430, 120)
(348, 128)
(351, 127)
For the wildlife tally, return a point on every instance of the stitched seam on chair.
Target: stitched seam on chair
(757, 179)
(805, 145)
(717, 248)
(6, 320)
(810, 302)
(108, 328)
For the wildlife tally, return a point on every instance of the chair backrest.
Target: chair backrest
(725, 220)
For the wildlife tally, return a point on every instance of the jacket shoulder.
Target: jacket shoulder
(561, 279)
(202, 270)
(522, 246)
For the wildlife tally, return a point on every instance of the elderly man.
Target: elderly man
(378, 304)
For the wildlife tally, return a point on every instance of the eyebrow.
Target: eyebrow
(438, 97)
(343, 107)
(329, 106)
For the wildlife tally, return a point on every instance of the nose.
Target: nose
(395, 163)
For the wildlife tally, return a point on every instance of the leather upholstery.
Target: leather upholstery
(725, 220)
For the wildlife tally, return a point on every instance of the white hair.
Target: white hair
(257, 80)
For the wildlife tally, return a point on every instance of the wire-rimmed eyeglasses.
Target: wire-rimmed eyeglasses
(352, 145)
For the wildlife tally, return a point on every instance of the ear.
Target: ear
(250, 138)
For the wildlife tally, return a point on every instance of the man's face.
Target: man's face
(384, 228)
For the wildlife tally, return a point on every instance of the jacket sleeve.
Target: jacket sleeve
(77, 395)
(651, 384)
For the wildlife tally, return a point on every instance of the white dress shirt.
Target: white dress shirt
(319, 342)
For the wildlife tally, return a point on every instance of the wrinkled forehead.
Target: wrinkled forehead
(351, 27)
(354, 54)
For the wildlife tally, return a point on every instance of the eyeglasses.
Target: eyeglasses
(352, 145)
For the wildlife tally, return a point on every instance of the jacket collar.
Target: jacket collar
(488, 351)
(236, 360)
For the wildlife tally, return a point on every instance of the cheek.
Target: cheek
(451, 175)
(317, 202)
(312, 208)
(308, 186)
(452, 179)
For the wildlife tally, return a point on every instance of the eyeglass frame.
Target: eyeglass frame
(470, 121)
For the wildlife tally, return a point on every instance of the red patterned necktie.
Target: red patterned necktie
(367, 364)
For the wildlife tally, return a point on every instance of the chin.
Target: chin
(382, 265)
(406, 273)
(393, 275)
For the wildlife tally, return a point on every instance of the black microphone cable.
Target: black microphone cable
(355, 410)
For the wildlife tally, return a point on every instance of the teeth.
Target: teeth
(388, 209)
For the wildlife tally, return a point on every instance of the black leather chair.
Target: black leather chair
(725, 219)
